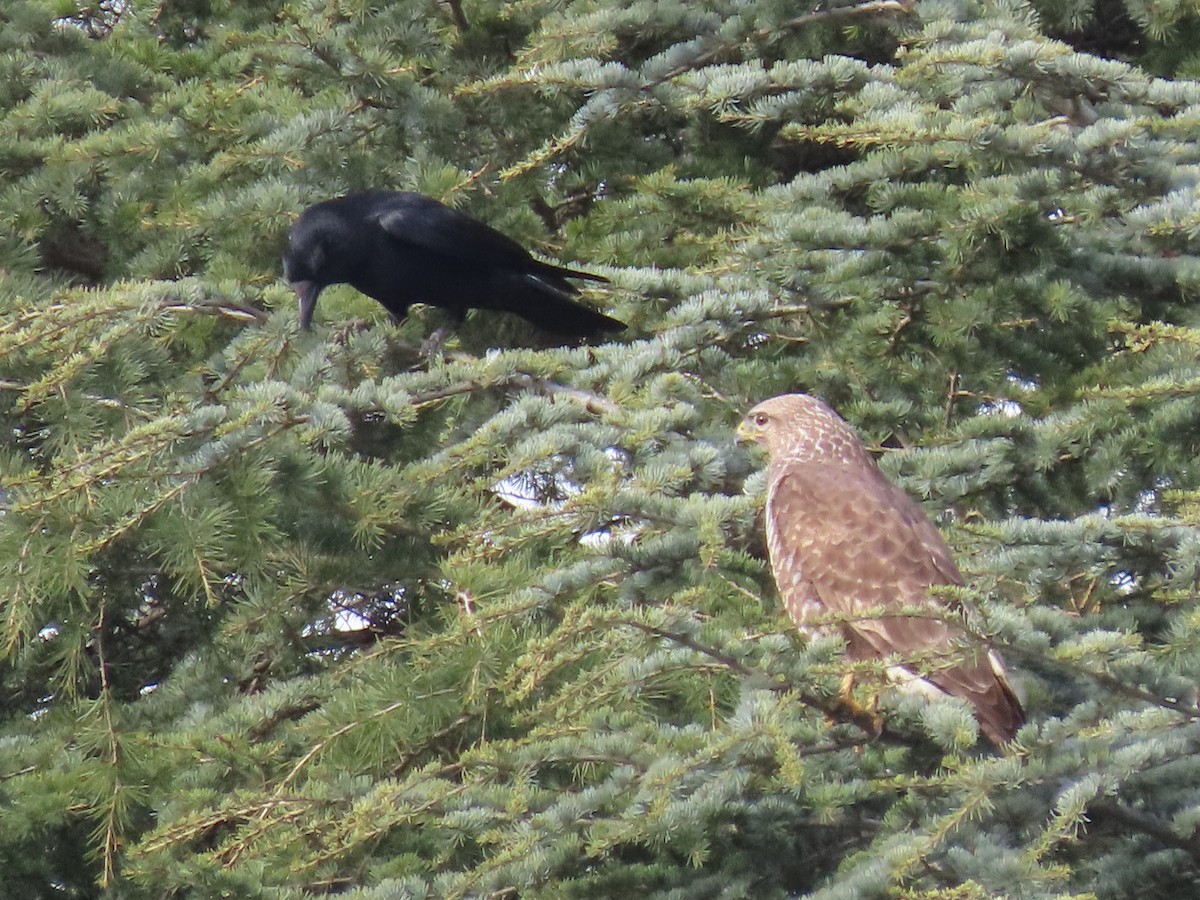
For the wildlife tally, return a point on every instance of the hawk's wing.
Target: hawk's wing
(844, 539)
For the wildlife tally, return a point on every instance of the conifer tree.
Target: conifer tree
(293, 614)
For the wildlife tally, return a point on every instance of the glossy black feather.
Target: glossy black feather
(404, 248)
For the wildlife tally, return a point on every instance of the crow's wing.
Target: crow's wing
(424, 222)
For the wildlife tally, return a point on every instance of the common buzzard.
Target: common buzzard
(846, 543)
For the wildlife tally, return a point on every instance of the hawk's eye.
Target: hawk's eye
(760, 419)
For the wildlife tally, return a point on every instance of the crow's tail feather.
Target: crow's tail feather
(552, 272)
(548, 301)
(562, 316)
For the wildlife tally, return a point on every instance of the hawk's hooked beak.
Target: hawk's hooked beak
(306, 292)
(747, 433)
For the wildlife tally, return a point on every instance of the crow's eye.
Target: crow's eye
(760, 419)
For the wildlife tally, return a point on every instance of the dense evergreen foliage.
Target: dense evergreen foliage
(288, 614)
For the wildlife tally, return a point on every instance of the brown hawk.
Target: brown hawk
(845, 542)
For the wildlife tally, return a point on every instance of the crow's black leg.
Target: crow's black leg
(434, 345)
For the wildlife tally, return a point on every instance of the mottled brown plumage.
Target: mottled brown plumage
(845, 541)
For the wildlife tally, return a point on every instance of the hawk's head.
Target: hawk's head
(803, 429)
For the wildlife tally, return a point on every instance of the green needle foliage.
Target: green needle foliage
(286, 615)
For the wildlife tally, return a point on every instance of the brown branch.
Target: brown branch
(453, 390)
(427, 745)
(112, 824)
(345, 640)
(289, 713)
(875, 7)
(239, 311)
(1147, 825)
(1112, 683)
(456, 13)
(835, 709)
(952, 394)
(106, 402)
(593, 403)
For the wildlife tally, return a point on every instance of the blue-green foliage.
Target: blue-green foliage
(289, 614)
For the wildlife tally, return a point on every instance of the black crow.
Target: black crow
(404, 248)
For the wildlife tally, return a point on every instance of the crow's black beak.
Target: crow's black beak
(306, 292)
